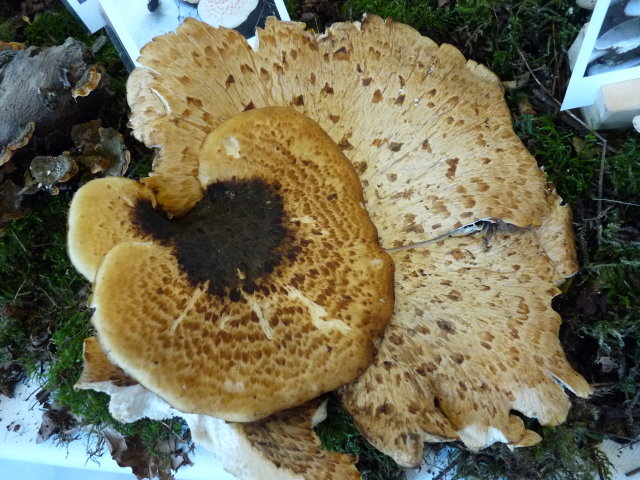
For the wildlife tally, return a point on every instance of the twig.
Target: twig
(19, 290)
(618, 201)
(49, 297)
(597, 461)
(629, 263)
(18, 240)
(171, 430)
(448, 468)
(603, 157)
(633, 472)
(610, 435)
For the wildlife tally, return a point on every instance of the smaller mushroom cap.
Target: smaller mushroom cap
(101, 216)
(269, 292)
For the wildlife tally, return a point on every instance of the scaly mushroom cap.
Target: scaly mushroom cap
(427, 131)
(473, 337)
(269, 292)
(283, 446)
(431, 139)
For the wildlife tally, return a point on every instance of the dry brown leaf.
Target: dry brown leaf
(11, 197)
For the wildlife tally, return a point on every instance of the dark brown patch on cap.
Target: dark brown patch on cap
(232, 237)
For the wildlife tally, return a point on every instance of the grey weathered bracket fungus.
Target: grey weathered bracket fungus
(473, 335)
(45, 89)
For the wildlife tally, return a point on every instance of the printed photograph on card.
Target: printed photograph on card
(610, 51)
(136, 22)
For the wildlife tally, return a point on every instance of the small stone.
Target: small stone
(636, 123)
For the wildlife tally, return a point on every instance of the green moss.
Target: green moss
(292, 6)
(338, 433)
(8, 30)
(573, 172)
(53, 28)
(566, 453)
(493, 32)
(44, 318)
(38, 283)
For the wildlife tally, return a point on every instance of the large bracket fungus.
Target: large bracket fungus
(473, 336)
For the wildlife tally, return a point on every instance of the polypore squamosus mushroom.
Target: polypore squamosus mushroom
(269, 292)
(431, 138)
(283, 446)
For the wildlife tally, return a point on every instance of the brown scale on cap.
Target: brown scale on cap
(269, 292)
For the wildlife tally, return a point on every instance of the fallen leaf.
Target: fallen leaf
(133, 453)
(56, 421)
(10, 374)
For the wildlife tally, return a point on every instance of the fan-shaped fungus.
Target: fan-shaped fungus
(473, 335)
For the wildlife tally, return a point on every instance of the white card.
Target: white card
(610, 52)
(135, 25)
(89, 13)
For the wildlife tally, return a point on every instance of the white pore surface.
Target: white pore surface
(225, 13)
(21, 458)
